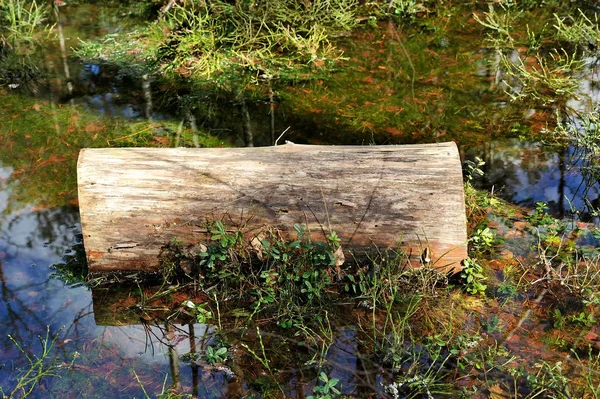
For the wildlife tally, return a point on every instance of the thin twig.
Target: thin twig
(281, 135)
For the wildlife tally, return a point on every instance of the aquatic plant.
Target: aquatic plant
(215, 355)
(239, 49)
(201, 311)
(18, 70)
(500, 22)
(236, 46)
(406, 9)
(547, 80)
(533, 71)
(579, 30)
(265, 361)
(19, 21)
(481, 238)
(567, 270)
(287, 275)
(422, 358)
(38, 367)
(166, 393)
(473, 277)
(551, 379)
(422, 376)
(326, 388)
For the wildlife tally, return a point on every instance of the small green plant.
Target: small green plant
(540, 218)
(212, 255)
(39, 367)
(481, 240)
(265, 361)
(486, 358)
(549, 381)
(550, 234)
(405, 9)
(507, 289)
(318, 339)
(534, 40)
(499, 24)
(302, 269)
(219, 355)
(389, 278)
(473, 277)
(422, 373)
(537, 77)
(222, 236)
(583, 318)
(473, 169)
(583, 134)
(220, 248)
(565, 266)
(320, 253)
(166, 392)
(326, 388)
(201, 311)
(558, 319)
(549, 80)
(262, 357)
(494, 324)
(553, 380)
(19, 21)
(73, 270)
(579, 30)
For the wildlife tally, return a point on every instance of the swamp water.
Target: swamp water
(439, 87)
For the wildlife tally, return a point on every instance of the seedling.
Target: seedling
(201, 310)
(218, 355)
(327, 388)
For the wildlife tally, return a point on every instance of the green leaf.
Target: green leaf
(333, 382)
(221, 351)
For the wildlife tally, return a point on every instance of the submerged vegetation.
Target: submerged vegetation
(287, 318)
(38, 367)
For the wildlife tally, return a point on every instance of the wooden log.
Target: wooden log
(133, 201)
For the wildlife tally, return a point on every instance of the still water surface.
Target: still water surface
(34, 236)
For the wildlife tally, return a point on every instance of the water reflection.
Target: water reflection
(526, 172)
(31, 234)
(112, 344)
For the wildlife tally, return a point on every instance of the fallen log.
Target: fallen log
(133, 201)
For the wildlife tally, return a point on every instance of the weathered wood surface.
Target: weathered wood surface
(135, 200)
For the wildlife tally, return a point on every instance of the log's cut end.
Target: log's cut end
(133, 201)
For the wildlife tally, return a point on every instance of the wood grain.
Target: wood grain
(135, 200)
